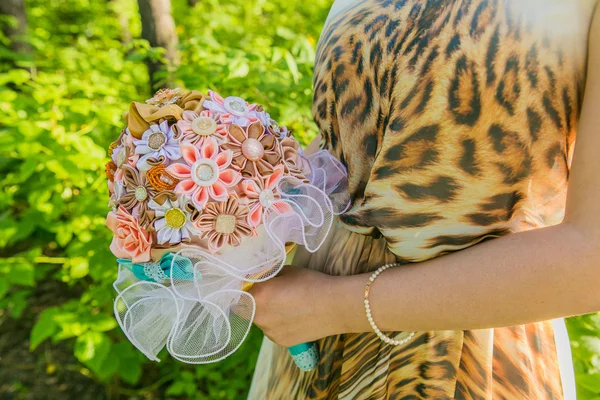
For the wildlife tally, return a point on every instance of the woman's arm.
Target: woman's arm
(519, 278)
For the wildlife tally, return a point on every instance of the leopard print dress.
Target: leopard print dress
(457, 122)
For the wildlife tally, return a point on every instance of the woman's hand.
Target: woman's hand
(296, 306)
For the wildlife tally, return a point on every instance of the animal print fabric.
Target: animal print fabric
(457, 123)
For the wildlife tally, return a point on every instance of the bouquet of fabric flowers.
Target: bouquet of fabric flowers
(208, 195)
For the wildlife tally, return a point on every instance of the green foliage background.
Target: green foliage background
(58, 336)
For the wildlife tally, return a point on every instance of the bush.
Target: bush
(60, 112)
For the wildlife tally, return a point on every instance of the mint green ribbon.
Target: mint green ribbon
(305, 355)
(182, 268)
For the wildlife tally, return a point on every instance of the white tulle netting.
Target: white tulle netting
(196, 305)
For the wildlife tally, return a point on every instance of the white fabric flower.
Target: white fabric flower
(157, 141)
(235, 110)
(173, 223)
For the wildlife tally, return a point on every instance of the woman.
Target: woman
(457, 122)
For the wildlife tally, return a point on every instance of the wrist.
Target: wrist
(346, 294)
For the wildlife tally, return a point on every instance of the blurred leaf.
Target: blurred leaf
(91, 348)
(590, 382)
(238, 69)
(291, 63)
(21, 273)
(129, 368)
(3, 287)
(43, 329)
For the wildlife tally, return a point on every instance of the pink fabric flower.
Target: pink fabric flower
(196, 127)
(130, 240)
(262, 194)
(235, 110)
(206, 173)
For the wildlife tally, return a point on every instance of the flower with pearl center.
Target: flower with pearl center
(158, 143)
(206, 173)
(224, 224)
(255, 152)
(262, 194)
(235, 110)
(173, 222)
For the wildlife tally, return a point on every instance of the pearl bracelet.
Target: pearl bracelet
(368, 310)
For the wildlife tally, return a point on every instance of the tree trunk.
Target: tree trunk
(158, 28)
(16, 9)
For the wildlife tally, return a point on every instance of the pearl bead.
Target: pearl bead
(252, 149)
(266, 198)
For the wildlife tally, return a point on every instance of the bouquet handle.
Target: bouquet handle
(305, 355)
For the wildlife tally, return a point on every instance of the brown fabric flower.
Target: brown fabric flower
(295, 164)
(255, 153)
(137, 191)
(224, 223)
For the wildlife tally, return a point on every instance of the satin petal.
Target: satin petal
(200, 198)
(274, 178)
(255, 216)
(224, 158)
(229, 177)
(250, 188)
(179, 171)
(255, 130)
(218, 191)
(164, 235)
(210, 148)
(186, 186)
(189, 152)
(237, 133)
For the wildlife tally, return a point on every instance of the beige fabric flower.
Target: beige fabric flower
(224, 223)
